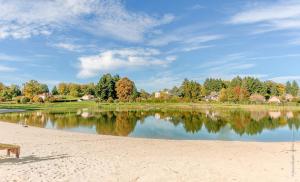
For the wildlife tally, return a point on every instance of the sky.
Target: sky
(153, 42)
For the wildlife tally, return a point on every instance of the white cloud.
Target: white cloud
(283, 79)
(6, 68)
(274, 16)
(183, 38)
(23, 19)
(121, 59)
(68, 46)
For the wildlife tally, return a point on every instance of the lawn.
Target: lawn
(144, 106)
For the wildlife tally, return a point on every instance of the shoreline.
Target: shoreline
(48, 154)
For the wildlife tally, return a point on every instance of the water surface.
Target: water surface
(237, 125)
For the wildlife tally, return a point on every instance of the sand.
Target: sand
(52, 155)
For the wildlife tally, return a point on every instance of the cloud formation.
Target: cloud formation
(276, 16)
(22, 19)
(117, 59)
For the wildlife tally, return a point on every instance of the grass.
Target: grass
(144, 106)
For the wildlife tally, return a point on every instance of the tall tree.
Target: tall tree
(252, 85)
(106, 87)
(32, 88)
(295, 88)
(44, 88)
(15, 90)
(191, 89)
(126, 89)
(213, 85)
(54, 91)
(288, 87)
(236, 82)
(63, 89)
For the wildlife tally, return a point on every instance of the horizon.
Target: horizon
(155, 44)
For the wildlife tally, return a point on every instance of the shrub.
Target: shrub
(52, 99)
(24, 100)
(37, 99)
(18, 99)
(257, 98)
(2, 99)
(110, 100)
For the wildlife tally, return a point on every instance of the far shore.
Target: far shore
(55, 155)
(146, 106)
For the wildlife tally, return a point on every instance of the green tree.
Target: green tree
(32, 88)
(191, 89)
(252, 85)
(54, 91)
(295, 88)
(44, 88)
(63, 89)
(106, 87)
(288, 87)
(236, 82)
(15, 90)
(212, 85)
(88, 89)
(74, 89)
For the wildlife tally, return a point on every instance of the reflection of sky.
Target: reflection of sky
(80, 129)
(153, 127)
(157, 128)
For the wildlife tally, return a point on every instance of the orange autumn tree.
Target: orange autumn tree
(126, 90)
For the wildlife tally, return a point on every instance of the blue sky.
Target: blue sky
(155, 43)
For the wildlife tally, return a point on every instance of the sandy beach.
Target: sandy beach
(52, 155)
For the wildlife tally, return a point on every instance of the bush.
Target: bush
(257, 98)
(2, 99)
(24, 100)
(18, 99)
(52, 99)
(37, 99)
(110, 100)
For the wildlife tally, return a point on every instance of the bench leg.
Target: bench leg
(18, 153)
(8, 152)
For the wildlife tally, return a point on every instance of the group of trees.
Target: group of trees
(110, 88)
(73, 89)
(9, 92)
(236, 90)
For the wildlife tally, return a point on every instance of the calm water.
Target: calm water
(196, 125)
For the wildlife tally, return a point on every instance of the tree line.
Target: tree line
(114, 88)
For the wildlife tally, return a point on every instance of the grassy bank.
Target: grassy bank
(144, 106)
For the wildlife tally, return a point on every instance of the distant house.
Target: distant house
(44, 96)
(257, 98)
(274, 115)
(274, 100)
(289, 115)
(161, 94)
(87, 97)
(157, 95)
(213, 96)
(289, 97)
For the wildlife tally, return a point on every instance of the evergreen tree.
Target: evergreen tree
(288, 87)
(295, 88)
(54, 91)
(106, 87)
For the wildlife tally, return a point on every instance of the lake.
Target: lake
(232, 125)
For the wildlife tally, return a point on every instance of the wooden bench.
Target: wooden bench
(15, 149)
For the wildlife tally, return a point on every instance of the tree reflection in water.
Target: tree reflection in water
(122, 123)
